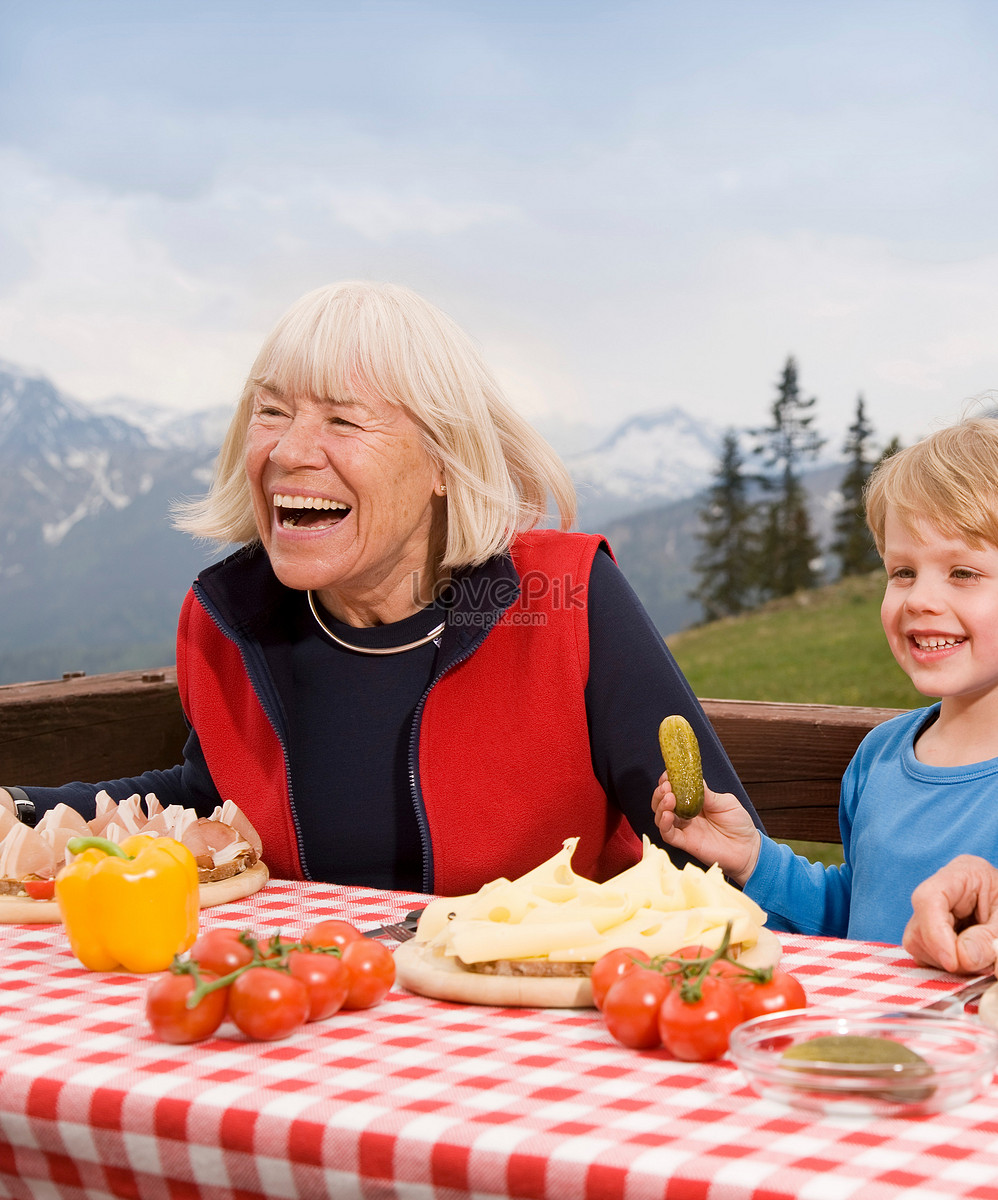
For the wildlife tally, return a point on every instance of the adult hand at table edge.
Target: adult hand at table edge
(7, 801)
(938, 933)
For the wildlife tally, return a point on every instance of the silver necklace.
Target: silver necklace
(431, 636)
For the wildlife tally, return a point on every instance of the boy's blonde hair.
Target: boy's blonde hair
(341, 341)
(949, 479)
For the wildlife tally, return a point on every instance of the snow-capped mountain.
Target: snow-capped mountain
(92, 574)
(649, 460)
(165, 427)
(64, 462)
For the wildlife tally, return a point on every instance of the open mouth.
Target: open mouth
(309, 512)
(937, 642)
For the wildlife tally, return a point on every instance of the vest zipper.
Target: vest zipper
(414, 788)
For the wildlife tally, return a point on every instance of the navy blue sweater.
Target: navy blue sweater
(346, 719)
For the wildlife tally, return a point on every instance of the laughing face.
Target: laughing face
(940, 610)
(346, 500)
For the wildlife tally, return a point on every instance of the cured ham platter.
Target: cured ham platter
(225, 846)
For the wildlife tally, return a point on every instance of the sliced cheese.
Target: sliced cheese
(552, 912)
(486, 941)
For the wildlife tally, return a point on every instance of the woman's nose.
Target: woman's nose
(298, 446)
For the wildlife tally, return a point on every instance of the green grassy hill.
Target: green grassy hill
(817, 647)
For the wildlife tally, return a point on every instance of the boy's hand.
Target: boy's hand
(962, 896)
(722, 833)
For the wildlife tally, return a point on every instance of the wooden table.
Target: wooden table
(433, 1101)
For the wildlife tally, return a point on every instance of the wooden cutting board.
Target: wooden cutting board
(421, 970)
(20, 910)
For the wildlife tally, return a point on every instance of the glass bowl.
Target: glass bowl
(955, 1061)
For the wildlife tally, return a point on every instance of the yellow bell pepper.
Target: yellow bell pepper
(134, 906)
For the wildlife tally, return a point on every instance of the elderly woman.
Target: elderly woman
(401, 680)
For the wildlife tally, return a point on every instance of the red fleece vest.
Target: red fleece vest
(505, 769)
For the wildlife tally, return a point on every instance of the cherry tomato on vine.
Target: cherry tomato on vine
(372, 972)
(221, 951)
(172, 1020)
(780, 993)
(611, 967)
(327, 979)
(267, 1003)
(698, 1030)
(332, 933)
(720, 968)
(631, 1007)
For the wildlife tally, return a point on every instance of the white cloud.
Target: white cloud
(629, 210)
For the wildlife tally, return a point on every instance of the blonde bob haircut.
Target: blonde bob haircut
(949, 479)
(350, 339)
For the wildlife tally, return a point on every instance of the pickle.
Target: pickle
(681, 753)
(852, 1048)
(882, 1057)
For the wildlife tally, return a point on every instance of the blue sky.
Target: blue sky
(628, 205)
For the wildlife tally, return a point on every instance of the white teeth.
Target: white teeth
(937, 643)
(281, 501)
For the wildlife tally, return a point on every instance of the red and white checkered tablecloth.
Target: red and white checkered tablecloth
(427, 1100)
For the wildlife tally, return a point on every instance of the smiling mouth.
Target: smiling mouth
(936, 643)
(309, 512)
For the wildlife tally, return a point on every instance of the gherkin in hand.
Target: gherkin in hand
(681, 753)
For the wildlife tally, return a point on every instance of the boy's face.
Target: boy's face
(940, 610)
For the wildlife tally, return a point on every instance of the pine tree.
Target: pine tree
(853, 542)
(788, 551)
(725, 565)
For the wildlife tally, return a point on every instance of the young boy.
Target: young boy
(922, 787)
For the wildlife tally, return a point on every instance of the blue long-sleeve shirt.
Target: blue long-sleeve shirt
(900, 821)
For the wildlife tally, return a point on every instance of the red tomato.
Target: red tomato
(372, 972)
(631, 1007)
(327, 979)
(782, 992)
(332, 933)
(611, 967)
(221, 951)
(267, 1003)
(40, 889)
(698, 1031)
(172, 1020)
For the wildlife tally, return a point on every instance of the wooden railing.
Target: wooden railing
(789, 756)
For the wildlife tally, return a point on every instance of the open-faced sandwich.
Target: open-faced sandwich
(224, 845)
(534, 940)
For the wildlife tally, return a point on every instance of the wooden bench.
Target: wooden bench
(789, 756)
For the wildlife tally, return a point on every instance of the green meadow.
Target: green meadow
(824, 646)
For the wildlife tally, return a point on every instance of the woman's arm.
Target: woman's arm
(634, 682)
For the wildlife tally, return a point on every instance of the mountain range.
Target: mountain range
(92, 574)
